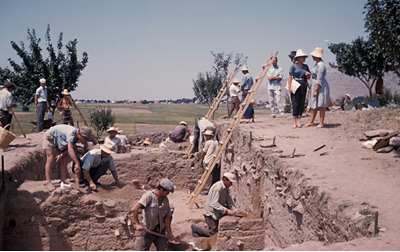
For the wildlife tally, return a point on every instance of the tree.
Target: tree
(382, 21)
(101, 119)
(359, 59)
(61, 70)
(208, 84)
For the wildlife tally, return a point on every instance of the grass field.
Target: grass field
(132, 118)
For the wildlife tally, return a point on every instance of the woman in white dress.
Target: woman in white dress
(319, 90)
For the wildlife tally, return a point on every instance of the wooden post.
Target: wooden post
(376, 229)
(83, 119)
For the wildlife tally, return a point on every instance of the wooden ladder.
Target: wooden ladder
(216, 102)
(229, 132)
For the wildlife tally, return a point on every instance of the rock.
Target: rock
(395, 141)
(386, 149)
(299, 209)
(289, 201)
(136, 184)
(109, 203)
(374, 133)
(369, 144)
(357, 216)
(377, 138)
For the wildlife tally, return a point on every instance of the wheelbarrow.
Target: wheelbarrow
(47, 124)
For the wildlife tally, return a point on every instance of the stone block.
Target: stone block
(251, 224)
(386, 149)
(376, 133)
(395, 141)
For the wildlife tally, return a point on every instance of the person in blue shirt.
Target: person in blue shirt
(275, 75)
(249, 113)
(247, 82)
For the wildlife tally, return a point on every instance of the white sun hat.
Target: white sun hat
(318, 52)
(300, 53)
(108, 147)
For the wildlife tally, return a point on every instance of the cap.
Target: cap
(86, 132)
(167, 184)
(42, 80)
(230, 176)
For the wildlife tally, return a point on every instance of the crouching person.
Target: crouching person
(219, 203)
(95, 164)
(157, 216)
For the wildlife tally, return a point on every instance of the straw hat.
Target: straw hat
(236, 81)
(112, 129)
(348, 95)
(253, 102)
(65, 92)
(147, 141)
(108, 147)
(183, 123)
(230, 176)
(209, 133)
(318, 52)
(119, 130)
(300, 53)
(245, 68)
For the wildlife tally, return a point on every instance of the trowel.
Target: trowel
(191, 244)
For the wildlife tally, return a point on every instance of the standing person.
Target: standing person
(249, 113)
(247, 82)
(199, 128)
(301, 73)
(219, 203)
(60, 139)
(64, 106)
(6, 103)
(234, 91)
(179, 133)
(95, 164)
(157, 216)
(41, 104)
(124, 140)
(210, 148)
(112, 137)
(275, 75)
(291, 56)
(319, 91)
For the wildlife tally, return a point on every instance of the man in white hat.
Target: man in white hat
(6, 103)
(41, 104)
(234, 91)
(209, 150)
(219, 203)
(157, 216)
(123, 139)
(199, 128)
(247, 82)
(275, 75)
(60, 139)
(179, 133)
(64, 106)
(112, 137)
(95, 164)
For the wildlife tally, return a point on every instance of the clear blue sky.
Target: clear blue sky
(153, 49)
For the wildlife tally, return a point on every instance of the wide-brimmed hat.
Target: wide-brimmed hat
(119, 130)
(292, 54)
(348, 95)
(108, 147)
(230, 176)
(183, 123)
(245, 68)
(300, 53)
(112, 129)
(318, 52)
(236, 81)
(42, 80)
(65, 92)
(209, 133)
(8, 85)
(252, 102)
(167, 184)
(147, 141)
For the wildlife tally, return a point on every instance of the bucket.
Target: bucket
(6, 137)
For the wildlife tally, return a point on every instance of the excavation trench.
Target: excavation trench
(283, 208)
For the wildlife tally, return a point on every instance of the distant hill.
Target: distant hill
(339, 85)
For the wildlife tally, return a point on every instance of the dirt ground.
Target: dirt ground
(352, 176)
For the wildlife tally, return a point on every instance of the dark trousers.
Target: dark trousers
(196, 134)
(200, 230)
(5, 118)
(234, 105)
(42, 106)
(67, 117)
(216, 174)
(298, 101)
(147, 239)
(95, 172)
(244, 94)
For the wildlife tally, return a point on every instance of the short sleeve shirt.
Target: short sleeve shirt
(5, 99)
(210, 148)
(153, 213)
(93, 159)
(63, 134)
(299, 72)
(116, 141)
(233, 90)
(42, 94)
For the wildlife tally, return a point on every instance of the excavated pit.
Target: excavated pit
(283, 208)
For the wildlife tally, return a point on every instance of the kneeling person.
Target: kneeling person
(95, 164)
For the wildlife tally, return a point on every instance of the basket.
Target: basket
(6, 137)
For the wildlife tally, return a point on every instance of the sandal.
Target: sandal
(310, 124)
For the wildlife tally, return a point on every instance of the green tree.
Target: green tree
(361, 59)
(207, 85)
(61, 70)
(382, 21)
(101, 119)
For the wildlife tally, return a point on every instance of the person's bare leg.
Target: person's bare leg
(322, 117)
(313, 115)
(48, 167)
(299, 122)
(63, 167)
(294, 122)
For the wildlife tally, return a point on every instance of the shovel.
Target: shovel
(23, 133)
(191, 244)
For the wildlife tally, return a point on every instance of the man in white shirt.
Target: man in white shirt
(112, 137)
(41, 104)
(275, 76)
(234, 91)
(6, 104)
(209, 150)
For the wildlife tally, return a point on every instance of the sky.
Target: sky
(153, 49)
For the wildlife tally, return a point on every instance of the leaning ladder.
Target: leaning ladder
(216, 102)
(228, 134)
